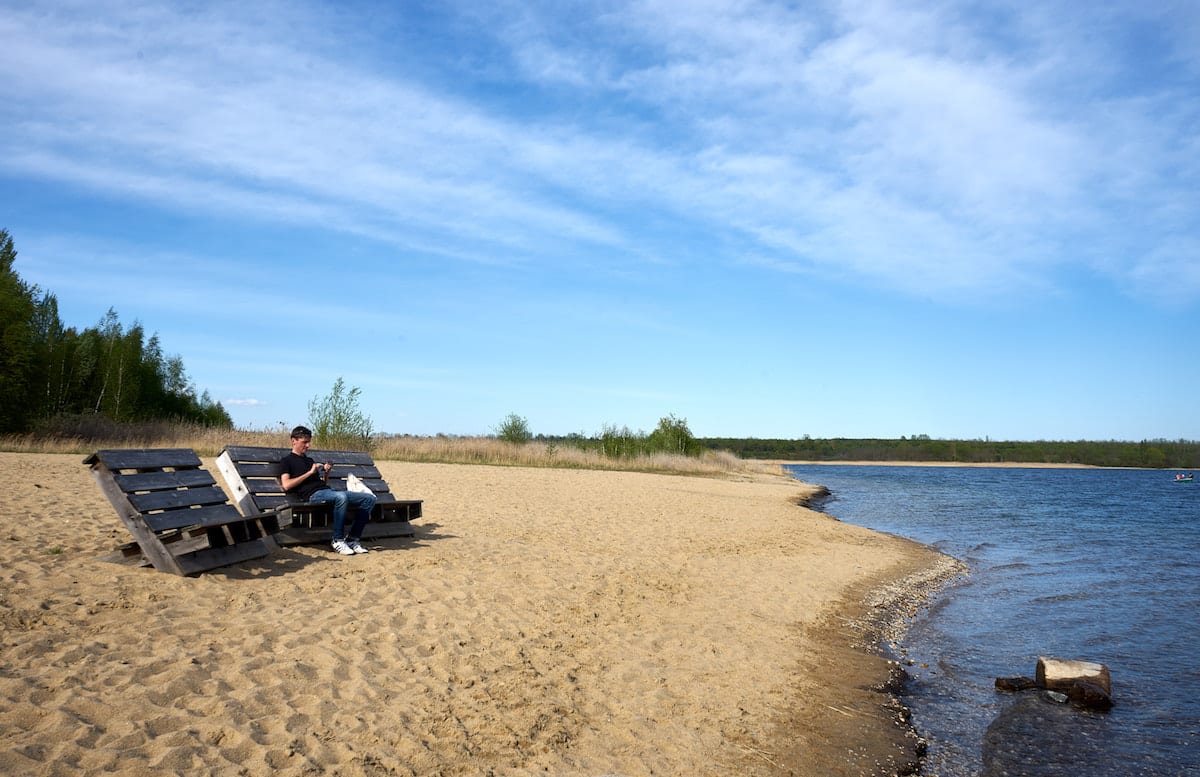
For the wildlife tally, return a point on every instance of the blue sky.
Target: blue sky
(864, 219)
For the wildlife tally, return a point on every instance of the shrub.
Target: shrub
(337, 421)
(514, 429)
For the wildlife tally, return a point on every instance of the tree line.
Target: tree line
(674, 436)
(50, 372)
(1154, 454)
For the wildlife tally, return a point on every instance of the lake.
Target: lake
(1090, 564)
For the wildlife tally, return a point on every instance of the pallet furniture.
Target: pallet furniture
(252, 475)
(181, 520)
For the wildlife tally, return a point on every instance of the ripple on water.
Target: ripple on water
(1090, 564)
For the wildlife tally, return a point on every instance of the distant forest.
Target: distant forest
(1154, 454)
(51, 374)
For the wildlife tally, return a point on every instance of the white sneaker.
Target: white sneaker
(357, 547)
(341, 546)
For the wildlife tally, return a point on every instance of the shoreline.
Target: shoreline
(865, 727)
(562, 621)
(981, 465)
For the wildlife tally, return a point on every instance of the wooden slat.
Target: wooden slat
(255, 469)
(377, 484)
(212, 558)
(248, 453)
(205, 517)
(263, 488)
(161, 481)
(180, 545)
(398, 510)
(350, 458)
(271, 502)
(177, 499)
(299, 535)
(241, 497)
(321, 515)
(341, 471)
(145, 458)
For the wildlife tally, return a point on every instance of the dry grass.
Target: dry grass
(488, 450)
(445, 450)
(205, 441)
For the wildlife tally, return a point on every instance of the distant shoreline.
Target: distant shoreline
(997, 465)
(1148, 454)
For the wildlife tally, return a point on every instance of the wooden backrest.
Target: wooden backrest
(180, 518)
(168, 488)
(252, 474)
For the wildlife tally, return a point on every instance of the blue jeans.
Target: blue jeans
(362, 503)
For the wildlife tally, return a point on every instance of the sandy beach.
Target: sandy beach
(541, 622)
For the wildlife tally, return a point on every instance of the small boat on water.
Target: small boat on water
(1182, 478)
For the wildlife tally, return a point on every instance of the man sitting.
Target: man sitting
(298, 473)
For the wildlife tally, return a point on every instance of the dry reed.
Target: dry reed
(207, 441)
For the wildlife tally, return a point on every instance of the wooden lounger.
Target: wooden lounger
(252, 474)
(180, 519)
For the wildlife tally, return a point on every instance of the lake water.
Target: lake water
(1091, 564)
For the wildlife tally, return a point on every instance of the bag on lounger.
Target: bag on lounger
(354, 483)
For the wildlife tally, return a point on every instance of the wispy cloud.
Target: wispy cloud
(954, 150)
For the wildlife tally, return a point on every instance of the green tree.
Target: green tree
(17, 352)
(621, 442)
(514, 429)
(673, 436)
(211, 413)
(53, 341)
(337, 421)
(48, 371)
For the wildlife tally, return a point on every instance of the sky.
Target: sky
(837, 218)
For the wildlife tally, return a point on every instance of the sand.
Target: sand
(541, 622)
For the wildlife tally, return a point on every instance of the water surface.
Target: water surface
(1090, 564)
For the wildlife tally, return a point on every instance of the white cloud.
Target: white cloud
(934, 149)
